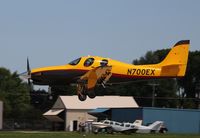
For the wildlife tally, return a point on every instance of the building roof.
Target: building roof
(53, 112)
(72, 102)
(53, 115)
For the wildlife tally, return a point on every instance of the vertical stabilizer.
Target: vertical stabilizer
(175, 62)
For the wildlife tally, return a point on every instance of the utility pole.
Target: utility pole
(153, 92)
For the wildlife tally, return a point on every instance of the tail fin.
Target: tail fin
(175, 63)
(156, 125)
(137, 122)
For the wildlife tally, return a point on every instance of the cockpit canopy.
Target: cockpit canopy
(75, 62)
(89, 61)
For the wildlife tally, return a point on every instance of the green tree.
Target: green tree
(15, 95)
(191, 82)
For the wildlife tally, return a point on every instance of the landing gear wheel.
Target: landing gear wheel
(81, 92)
(91, 94)
(110, 130)
(82, 97)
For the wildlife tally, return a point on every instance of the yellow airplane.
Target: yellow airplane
(89, 71)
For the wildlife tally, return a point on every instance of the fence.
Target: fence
(27, 124)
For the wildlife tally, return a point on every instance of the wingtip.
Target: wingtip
(182, 42)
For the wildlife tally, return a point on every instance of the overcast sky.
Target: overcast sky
(53, 32)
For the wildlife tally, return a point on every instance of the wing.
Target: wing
(99, 74)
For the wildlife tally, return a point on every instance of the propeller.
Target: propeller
(28, 72)
(27, 75)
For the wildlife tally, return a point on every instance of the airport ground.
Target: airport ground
(37, 134)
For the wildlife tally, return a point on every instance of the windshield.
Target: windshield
(75, 62)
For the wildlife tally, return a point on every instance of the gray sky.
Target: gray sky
(53, 32)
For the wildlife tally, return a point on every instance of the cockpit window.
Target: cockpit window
(75, 62)
(104, 62)
(88, 62)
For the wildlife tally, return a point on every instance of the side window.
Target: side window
(104, 62)
(88, 62)
(118, 124)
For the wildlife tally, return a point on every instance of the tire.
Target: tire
(127, 132)
(91, 94)
(110, 130)
(82, 97)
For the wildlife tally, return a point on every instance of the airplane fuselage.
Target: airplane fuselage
(70, 73)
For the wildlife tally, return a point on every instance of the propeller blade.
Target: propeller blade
(28, 67)
(24, 75)
(28, 72)
(29, 75)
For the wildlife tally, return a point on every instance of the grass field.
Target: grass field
(27, 134)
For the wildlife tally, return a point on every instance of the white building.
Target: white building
(70, 111)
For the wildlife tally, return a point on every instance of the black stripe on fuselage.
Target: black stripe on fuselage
(56, 77)
(63, 77)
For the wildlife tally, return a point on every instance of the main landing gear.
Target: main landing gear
(83, 92)
(87, 83)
